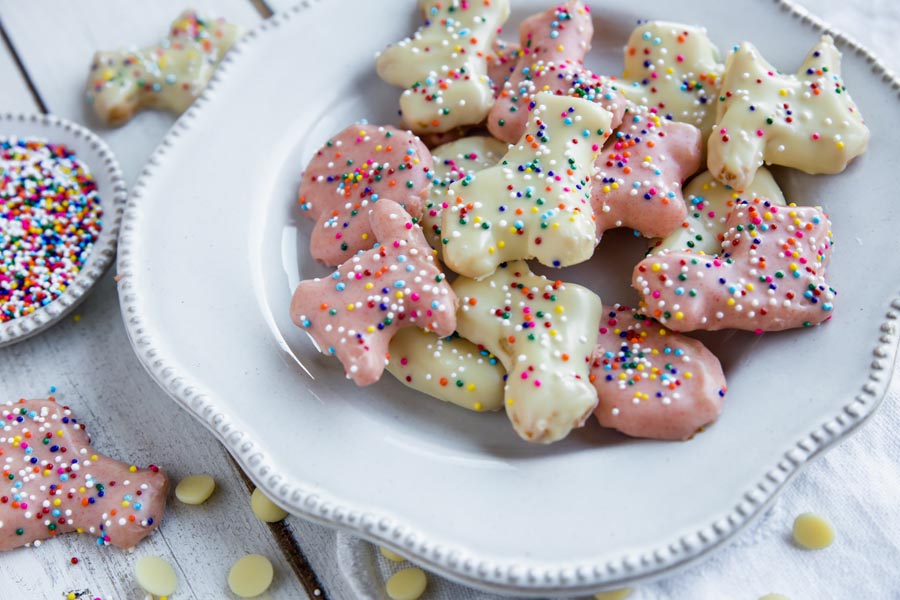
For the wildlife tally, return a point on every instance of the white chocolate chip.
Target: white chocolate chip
(195, 489)
(407, 584)
(156, 576)
(265, 509)
(251, 576)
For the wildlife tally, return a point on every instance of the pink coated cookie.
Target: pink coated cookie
(806, 121)
(354, 313)
(653, 383)
(769, 276)
(350, 172)
(501, 63)
(638, 179)
(54, 482)
(553, 45)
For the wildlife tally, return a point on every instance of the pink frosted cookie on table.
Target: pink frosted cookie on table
(652, 382)
(54, 482)
(541, 330)
(354, 313)
(352, 171)
(806, 121)
(769, 276)
(638, 176)
(553, 45)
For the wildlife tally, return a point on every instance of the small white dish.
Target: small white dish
(213, 246)
(112, 192)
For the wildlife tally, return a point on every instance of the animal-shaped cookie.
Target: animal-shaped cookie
(769, 275)
(652, 382)
(638, 177)
(806, 121)
(536, 202)
(54, 482)
(452, 369)
(354, 313)
(542, 331)
(709, 204)
(349, 174)
(676, 70)
(453, 162)
(553, 45)
(169, 76)
(443, 67)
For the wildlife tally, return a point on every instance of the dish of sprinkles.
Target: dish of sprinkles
(50, 218)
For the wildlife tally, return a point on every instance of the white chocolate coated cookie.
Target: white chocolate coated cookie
(708, 205)
(806, 121)
(675, 69)
(451, 369)
(453, 162)
(443, 67)
(536, 202)
(542, 331)
(168, 76)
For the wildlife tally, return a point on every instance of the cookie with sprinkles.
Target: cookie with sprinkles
(50, 218)
(709, 204)
(443, 66)
(453, 162)
(502, 62)
(349, 174)
(806, 121)
(638, 176)
(536, 202)
(168, 76)
(540, 331)
(54, 482)
(451, 369)
(768, 276)
(676, 70)
(354, 313)
(553, 45)
(652, 382)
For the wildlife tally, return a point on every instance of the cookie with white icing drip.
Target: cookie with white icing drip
(443, 66)
(541, 330)
(806, 121)
(536, 202)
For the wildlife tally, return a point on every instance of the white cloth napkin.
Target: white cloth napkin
(856, 486)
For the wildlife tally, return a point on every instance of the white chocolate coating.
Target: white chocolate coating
(675, 69)
(168, 76)
(536, 202)
(806, 121)
(443, 67)
(543, 332)
(709, 203)
(452, 162)
(451, 369)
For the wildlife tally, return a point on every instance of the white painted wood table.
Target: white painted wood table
(45, 52)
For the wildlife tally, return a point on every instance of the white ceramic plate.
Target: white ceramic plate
(111, 190)
(213, 245)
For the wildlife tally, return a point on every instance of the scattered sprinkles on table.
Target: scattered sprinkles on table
(653, 382)
(541, 331)
(353, 170)
(170, 75)
(52, 481)
(637, 180)
(50, 218)
(553, 45)
(769, 276)
(674, 69)
(806, 121)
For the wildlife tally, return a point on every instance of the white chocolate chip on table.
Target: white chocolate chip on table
(452, 369)
(806, 121)
(265, 509)
(613, 594)
(168, 76)
(408, 584)
(156, 576)
(195, 489)
(542, 331)
(812, 531)
(251, 575)
(708, 205)
(675, 69)
(443, 67)
(536, 202)
(391, 555)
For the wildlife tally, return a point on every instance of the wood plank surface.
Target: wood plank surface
(14, 93)
(90, 361)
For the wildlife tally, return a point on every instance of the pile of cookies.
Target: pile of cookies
(430, 243)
